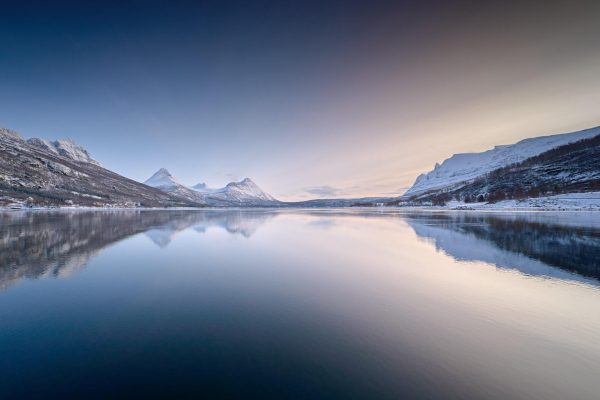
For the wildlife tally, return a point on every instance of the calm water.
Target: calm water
(298, 304)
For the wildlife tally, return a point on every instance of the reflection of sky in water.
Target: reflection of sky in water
(346, 304)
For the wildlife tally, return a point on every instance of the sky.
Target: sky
(309, 99)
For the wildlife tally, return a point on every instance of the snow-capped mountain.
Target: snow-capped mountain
(462, 168)
(164, 181)
(244, 193)
(65, 148)
(162, 177)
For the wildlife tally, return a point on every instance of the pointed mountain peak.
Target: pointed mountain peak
(162, 177)
(199, 186)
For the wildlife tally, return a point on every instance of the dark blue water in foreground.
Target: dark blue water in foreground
(297, 304)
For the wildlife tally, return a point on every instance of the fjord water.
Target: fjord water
(299, 304)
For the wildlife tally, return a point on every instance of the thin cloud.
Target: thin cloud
(233, 177)
(323, 191)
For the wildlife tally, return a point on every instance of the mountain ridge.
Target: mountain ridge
(463, 167)
(243, 193)
(30, 174)
(65, 148)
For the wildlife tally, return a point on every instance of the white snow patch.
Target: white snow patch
(562, 202)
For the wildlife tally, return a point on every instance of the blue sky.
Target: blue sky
(309, 99)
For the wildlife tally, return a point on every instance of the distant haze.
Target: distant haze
(309, 99)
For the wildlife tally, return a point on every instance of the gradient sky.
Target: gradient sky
(309, 99)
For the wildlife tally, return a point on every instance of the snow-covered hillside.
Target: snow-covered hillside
(46, 174)
(464, 167)
(8, 135)
(65, 148)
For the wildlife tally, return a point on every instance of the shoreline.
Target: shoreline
(569, 202)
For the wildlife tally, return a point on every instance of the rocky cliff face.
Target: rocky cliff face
(65, 148)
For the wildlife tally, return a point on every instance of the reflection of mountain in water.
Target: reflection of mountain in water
(38, 244)
(245, 223)
(529, 243)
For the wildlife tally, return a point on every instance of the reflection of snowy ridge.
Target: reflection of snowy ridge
(38, 245)
(468, 247)
(244, 223)
(161, 237)
(240, 222)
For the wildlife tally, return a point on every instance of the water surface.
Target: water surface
(299, 304)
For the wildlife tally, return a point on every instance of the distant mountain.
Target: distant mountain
(235, 194)
(460, 169)
(162, 177)
(244, 193)
(164, 181)
(62, 173)
(336, 203)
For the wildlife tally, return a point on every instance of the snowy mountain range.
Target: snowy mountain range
(37, 171)
(42, 173)
(244, 193)
(463, 168)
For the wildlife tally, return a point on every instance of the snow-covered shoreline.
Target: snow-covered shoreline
(563, 202)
